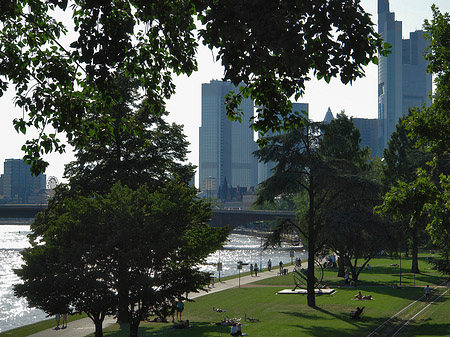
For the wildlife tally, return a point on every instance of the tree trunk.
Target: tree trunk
(98, 327)
(123, 314)
(341, 266)
(414, 252)
(134, 326)
(311, 297)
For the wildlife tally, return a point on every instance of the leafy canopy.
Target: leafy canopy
(269, 48)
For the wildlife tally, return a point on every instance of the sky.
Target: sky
(358, 99)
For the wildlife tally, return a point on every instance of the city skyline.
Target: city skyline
(358, 100)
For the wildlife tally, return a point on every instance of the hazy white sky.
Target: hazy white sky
(358, 100)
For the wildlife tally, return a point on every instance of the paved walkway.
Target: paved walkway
(85, 326)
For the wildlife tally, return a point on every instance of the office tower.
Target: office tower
(226, 148)
(19, 186)
(265, 169)
(402, 78)
(369, 131)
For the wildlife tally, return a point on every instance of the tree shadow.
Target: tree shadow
(197, 329)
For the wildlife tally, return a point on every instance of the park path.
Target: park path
(85, 326)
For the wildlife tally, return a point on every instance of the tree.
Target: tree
(406, 203)
(355, 233)
(310, 163)
(350, 227)
(58, 82)
(159, 238)
(429, 126)
(138, 147)
(402, 158)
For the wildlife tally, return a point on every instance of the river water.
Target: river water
(14, 312)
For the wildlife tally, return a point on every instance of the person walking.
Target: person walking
(269, 265)
(427, 293)
(256, 269)
(251, 269)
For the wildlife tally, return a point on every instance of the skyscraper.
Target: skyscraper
(402, 78)
(19, 186)
(225, 147)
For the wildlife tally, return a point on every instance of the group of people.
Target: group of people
(178, 307)
(58, 321)
(254, 269)
(359, 296)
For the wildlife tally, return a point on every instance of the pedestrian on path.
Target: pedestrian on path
(427, 293)
(251, 269)
(57, 319)
(64, 320)
(269, 265)
(256, 269)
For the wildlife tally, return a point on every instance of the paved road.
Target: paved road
(85, 326)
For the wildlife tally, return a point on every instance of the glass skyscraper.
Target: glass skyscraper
(18, 185)
(402, 78)
(226, 147)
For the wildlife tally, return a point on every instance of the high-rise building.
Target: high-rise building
(226, 148)
(265, 169)
(402, 78)
(19, 186)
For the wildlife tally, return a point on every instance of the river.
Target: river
(14, 312)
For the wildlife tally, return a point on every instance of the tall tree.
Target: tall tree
(60, 77)
(159, 238)
(430, 127)
(402, 158)
(310, 163)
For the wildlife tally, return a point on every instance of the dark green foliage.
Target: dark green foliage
(138, 147)
(325, 168)
(83, 246)
(269, 47)
(431, 125)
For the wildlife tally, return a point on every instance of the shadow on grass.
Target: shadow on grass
(332, 316)
(428, 329)
(162, 329)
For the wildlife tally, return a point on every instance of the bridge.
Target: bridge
(220, 217)
(235, 218)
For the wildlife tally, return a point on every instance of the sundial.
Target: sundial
(300, 276)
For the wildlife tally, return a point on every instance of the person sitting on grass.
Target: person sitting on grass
(183, 325)
(236, 330)
(368, 297)
(358, 296)
(357, 313)
(218, 310)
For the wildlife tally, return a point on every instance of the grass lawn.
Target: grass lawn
(288, 315)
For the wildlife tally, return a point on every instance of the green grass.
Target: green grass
(288, 315)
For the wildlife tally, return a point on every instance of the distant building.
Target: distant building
(265, 169)
(19, 186)
(369, 130)
(225, 148)
(402, 78)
